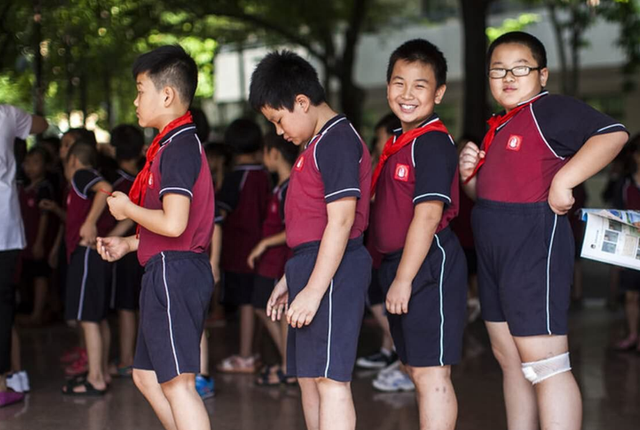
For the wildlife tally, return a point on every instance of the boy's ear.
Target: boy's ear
(169, 94)
(544, 76)
(303, 102)
(440, 93)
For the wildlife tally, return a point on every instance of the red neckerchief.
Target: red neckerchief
(395, 144)
(139, 187)
(495, 122)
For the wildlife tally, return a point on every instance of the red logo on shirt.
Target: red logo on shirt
(300, 164)
(514, 142)
(402, 172)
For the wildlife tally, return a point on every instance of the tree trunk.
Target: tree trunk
(475, 113)
(38, 89)
(560, 46)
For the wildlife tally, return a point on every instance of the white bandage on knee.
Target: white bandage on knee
(538, 371)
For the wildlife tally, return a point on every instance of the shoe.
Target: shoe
(389, 369)
(205, 386)
(393, 382)
(24, 381)
(473, 309)
(237, 364)
(10, 397)
(14, 382)
(379, 360)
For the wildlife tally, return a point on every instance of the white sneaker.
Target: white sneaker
(24, 381)
(14, 382)
(389, 369)
(393, 382)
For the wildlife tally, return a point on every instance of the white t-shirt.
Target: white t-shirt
(14, 123)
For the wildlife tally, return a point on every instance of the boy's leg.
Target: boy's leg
(105, 334)
(247, 325)
(310, 402)
(631, 302)
(519, 395)
(437, 403)
(16, 358)
(383, 322)
(337, 411)
(147, 383)
(273, 327)
(127, 323)
(204, 355)
(187, 407)
(95, 357)
(558, 396)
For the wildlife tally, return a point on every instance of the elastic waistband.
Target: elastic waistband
(315, 246)
(528, 208)
(443, 235)
(175, 255)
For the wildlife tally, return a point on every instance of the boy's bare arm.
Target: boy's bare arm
(596, 153)
(121, 228)
(216, 251)
(426, 218)
(469, 158)
(38, 246)
(268, 242)
(341, 215)
(88, 230)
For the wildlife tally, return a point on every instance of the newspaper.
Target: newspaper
(612, 236)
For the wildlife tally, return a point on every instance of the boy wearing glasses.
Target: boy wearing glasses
(534, 154)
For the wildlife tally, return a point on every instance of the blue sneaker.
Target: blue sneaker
(205, 386)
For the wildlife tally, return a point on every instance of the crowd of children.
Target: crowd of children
(301, 230)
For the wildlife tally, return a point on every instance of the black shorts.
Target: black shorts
(375, 295)
(629, 280)
(430, 334)
(176, 292)
(127, 283)
(32, 269)
(88, 286)
(238, 288)
(262, 289)
(326, 348)
(525, 266)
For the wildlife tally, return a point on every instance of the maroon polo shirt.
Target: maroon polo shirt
(244, 196)
(79, 201)
(631, 194)
(272, 261)
(426, 170)
(180, 167)
(534, 145)
(334, 165)
(30, 198)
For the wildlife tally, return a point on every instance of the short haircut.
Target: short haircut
(128, 141)
(84, 152)
(83, 134)
(390, 122)
(538, 51)
(244, 136)
(288, 150)
(171, 66)
(202, 124)
(218, 149)
(39, 150)
(280, 77)
(425, 52)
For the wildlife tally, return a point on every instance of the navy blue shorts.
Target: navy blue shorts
(262, 289)
(238, 288)
(525, 266)
(326, 348)
(431, 333)
(375, 295)
(176, 292)
(127, 283)
(88, 286)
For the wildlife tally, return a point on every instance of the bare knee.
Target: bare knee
(508, 358)
(432, 376)
(143, 381)
(179, 385)
(331, 387)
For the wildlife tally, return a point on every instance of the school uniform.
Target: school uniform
(270, 265)
(334, 165)
(244, 196)
(526, 251)
(127, 272)
(630, 279)
(178, 283)
(430, 334)
(88, 275)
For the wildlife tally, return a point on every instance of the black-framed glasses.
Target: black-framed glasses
(518, 72)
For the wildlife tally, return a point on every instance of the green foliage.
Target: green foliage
(511, 24)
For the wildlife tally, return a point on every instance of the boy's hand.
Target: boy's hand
(48, 205)
(112, 248)
(398, 297)
(255, 254)
(52, 260)
(470, 156)
(88, 234)
(303, 308)
(278, 300)
(560, 198)
(118, 203)
(215, 271)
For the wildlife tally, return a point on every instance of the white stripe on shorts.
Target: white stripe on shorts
(441, 295)
(326, 369)
(166, 289)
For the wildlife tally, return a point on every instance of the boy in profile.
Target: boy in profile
(172, 201)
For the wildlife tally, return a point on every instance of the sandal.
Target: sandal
(120, 371)
(268, 377)
(237, 364)
(287, 379)
(90, 390)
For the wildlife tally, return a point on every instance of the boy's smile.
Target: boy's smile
(412, 92)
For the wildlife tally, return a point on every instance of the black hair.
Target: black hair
(244, 136)
(288, 150)
(280, 77)
(41, 151)
(84, 152)
(390, 122)
(128, 141)
(52, 140)
(538, 51)
(217, 149)
(202, 124)
(169, 65)
(423, 51)
(83, 134)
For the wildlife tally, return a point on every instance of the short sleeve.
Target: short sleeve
(566, 123)
(23, 122)
(436, 161)
(229, 195)
(338, 159)
(180, 166)
(84, 179)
